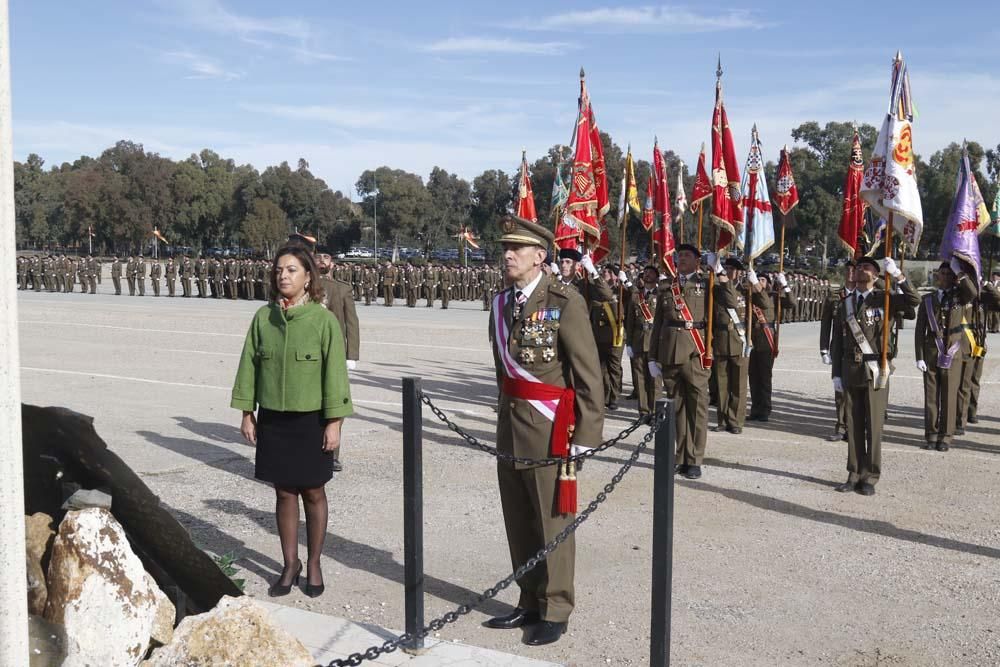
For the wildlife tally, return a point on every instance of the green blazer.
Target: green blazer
(293, 361)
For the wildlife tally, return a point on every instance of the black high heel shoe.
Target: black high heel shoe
(278, 589)
(314, 590)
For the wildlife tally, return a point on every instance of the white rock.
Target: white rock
(237, 632)
(98, 590)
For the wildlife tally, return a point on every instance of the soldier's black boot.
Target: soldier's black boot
(546, 632)
(516, 619)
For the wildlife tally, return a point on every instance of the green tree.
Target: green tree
(492, 198)
(404, 204)
(265, 227)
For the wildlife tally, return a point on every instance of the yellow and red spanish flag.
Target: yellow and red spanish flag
(664, 236)
(702, 189)
(465, 235)
(525, 197)
(727, 213)
(588, 193)
(852, 217)
(786, 192)
(157, 234)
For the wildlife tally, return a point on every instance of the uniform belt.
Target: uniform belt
(959, 329)
(687, 325)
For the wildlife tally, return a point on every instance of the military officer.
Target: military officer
(993, 318)
(678, 352)
(155, 272)
(116, 273)
(170, 272)
(764, 339)
(140, 274)
(609, 336)
(432, 277)
(447, 281)
(856, 351)
(986, 303)
(731, 354)
(826, 330)
(93, 271)
(390, 275)
(541, 341)
(201, 276)
(941, 347)
(132, 269)
(411, 284)
(218, 291)
(639, 316)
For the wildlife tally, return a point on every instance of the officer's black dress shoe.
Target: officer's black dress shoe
(735, 430)
(973, 419)
(612, 406)
(865, 489)
(693, 472)
(844, 437)
(928, 445)
(545, 632)
(681, 469)
(516, 619)
(942, 446)
(337, 466)
(632, 397)
(833, 437)
(753, 418)
(845, 487)
(720, 428)
(959, 431)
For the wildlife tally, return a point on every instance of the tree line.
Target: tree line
(208, 201)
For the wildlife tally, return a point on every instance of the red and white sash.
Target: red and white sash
(511, 368)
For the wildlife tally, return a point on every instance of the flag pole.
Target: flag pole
(711, 289)
(701, 211)
(781, 269)
(885, 318)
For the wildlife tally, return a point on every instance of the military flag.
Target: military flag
(630, 188)
(872, 233)
(664, 235)
(852, 215)
(648, 212)
(727, 214)
(588, 192)
(680, 199)
(702, 189)
(465, 235)
(157, 234)
(982, 213)
(787, 193)
(961, 234)
(756, 233)
(560, 192)
(525, 197)
(890, 182)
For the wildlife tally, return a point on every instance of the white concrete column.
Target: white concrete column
(13, 586)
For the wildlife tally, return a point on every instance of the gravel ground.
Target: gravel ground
(770, 565)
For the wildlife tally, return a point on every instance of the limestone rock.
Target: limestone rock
(38, 536)
(98, 590)
(237, 632)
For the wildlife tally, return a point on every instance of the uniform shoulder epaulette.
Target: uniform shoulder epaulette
(559, 288)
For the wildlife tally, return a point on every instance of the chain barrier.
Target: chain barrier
(373, 652)
(510, 458)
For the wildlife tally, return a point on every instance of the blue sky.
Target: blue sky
(467, 85)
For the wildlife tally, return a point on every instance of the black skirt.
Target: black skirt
(290, 449)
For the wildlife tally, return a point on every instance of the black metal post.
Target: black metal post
(413, 509)
(663, 536)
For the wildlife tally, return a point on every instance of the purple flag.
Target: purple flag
(961, 236)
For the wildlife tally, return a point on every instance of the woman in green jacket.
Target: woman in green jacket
(294, 373)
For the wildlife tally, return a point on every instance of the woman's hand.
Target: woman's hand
(249, 428)
(331, 435)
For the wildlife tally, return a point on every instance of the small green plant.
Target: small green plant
(226, 563)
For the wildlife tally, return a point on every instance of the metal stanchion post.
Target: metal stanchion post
(663, 536)
(413, 509)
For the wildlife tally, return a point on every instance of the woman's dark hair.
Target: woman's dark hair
(314, 290)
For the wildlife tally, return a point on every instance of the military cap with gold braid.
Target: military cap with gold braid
(525, 232)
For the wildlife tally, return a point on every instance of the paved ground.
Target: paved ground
(770, 565)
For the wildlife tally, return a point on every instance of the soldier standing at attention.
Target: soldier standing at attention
(170, 271)
(155, 271)
(389, 275)
(731, 353)
(140, 275)
(856, 351)
(678, 352)
(826, 330)
(411, 284)
(131, 270)
(431, 278)
(544, 354)
(93, 268)
(764, 339)
(339, 300)
(639, 316)
(608, 334)
(201, 275)
(116, 274)
(220, 290)
(941, 347)
(232, 275)
(447, 280)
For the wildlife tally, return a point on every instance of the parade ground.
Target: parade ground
(771, 566)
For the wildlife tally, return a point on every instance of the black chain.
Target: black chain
(438, 623)
(537, 463)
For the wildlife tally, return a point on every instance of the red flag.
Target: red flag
(852, 219)
(583, 204)
(787, 193)
(702, 186)
(661, 192)
(526, 198)
(727, 197)
(648, 212)
(603, 246)
(600, 173)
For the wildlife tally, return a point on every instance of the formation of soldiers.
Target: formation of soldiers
(59, 273)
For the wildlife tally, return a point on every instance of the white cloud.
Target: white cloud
(649, 18)
(477, 45)
(199, 66)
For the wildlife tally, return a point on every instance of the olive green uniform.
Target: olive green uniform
(155, 272)
(638, 336)
(762, 355)
(731, 366)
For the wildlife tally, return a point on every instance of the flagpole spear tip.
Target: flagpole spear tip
(899, 56)
(583, 75)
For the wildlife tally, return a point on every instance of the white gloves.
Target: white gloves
(554, 267)
(623, 277)
(838, 385)
(891, 268)
(827, 359)
(588, 264)
(922, 365)
(752, 277)
(655, 370)
(714, 262)
(629, 352)
(782, 280)
(352, 365)
(663, 276)
(956, 266)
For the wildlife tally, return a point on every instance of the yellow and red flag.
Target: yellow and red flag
(588, 193)
(525, 197)
(157, 234)
(702, 189)
(786, 193)
(727, 213)
(648, 212)
(465, 235)
(852, 217)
